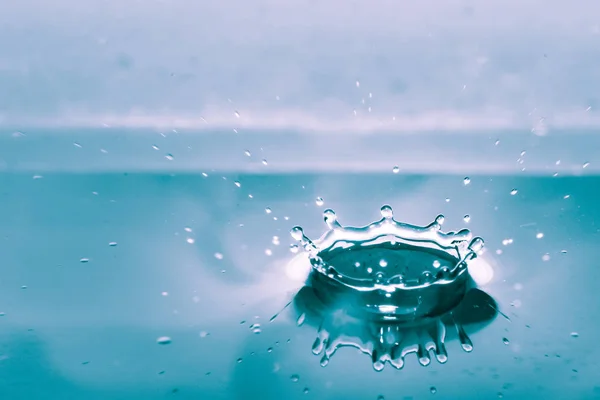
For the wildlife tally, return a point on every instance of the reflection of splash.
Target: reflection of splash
(391, 342)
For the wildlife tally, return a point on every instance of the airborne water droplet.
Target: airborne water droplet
(574, 334)
(238, 184)
(586, 164)
(513, 192)
(466, 181)
(268, 210)
(301, 319)
(84, 260)
(539, 235)
(218, 256)
(396, 169)
(294, 248)
(169, 157)
(319, 201)
(433, 390)
(295, 378)
(163, 340)
(505, 341)
(112, 244)
(467, 218)
(255, 328)
(247, 153)
(264, 161)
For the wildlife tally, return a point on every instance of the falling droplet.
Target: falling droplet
(155, 147)
(247, 153)
(275, 240)
(466, 181)
(84, 260)
(539, 235)
(585, 165)
(218, 256)
(163, 340)
(319, 201)
(505, 341)
(295, 378)
(301, 319)
(169, 157)
(467, 218)
(237, 114)
(396, 169)
(268, 210)
(112, 244)
(294, 248)
(239, 360)
(433, 390)
(255, 328)
(574, 334)
(238, 184)
(306, 390)
(264, 161)
(513, 192)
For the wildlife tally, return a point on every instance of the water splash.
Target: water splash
(401, 266)
(391, 289)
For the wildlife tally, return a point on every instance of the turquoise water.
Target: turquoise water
(97, 267)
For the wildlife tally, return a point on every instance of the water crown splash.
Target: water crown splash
(389, 288)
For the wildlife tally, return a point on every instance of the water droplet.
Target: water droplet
(585, 165)
(203, 334)
(255, 328)
(77, 145)
(239, 360)
(294, 248)
(505, 341)
(275, 240)
(295, 378)
(433, 390)
(508, 241)
(381, 397)
(269, 252)
(319, 201)
(112, 244)
(218, 256)
(306, 390)
(574, 334)
(467, 218)
(264, 161)
(268, 210)
(396, 169)
(247, 153)
(155, 147)
(387, 212)
(383, 263)
(297, 233)
(163, 340)
(447, 199)
(357, 83)
(236, 183)
(84, 260)
(513, 192)
(436, 264)
(301, 319)
(539, 235)
(466, 181)
(237, 114)
(169, 157)
(546, 257)
(190, 240)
